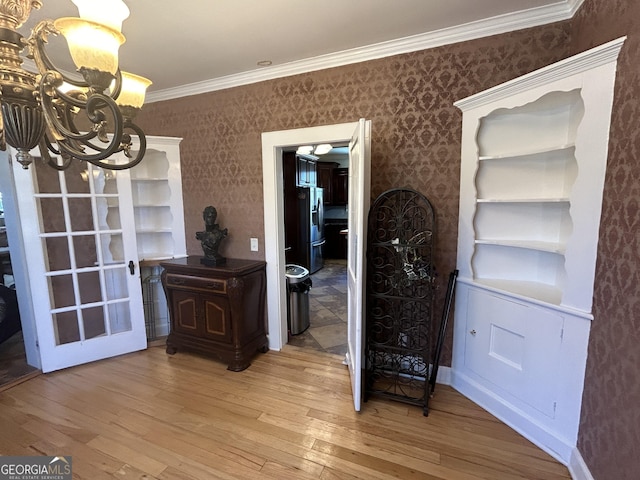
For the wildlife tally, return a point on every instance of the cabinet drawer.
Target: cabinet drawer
(186, 281)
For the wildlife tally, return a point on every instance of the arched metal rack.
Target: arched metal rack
(400, 296)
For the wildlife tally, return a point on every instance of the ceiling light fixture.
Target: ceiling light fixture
(304, 150)
(322, 149)
(69, 116)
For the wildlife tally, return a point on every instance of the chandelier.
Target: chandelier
(88, 117)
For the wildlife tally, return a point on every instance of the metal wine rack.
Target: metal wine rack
(400, 296)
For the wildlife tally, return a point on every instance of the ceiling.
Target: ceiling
(192, 46)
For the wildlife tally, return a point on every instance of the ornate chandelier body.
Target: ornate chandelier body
(88, 118)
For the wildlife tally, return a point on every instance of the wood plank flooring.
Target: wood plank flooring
(148, 416)
(13, 362)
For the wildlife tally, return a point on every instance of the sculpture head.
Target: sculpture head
(209, 214)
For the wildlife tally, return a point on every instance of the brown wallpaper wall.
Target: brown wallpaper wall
(609, 436)
(415, 129)
(416, 143)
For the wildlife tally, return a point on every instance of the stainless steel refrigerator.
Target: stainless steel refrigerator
(312, 240)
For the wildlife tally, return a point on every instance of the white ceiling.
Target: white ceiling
(191, 46)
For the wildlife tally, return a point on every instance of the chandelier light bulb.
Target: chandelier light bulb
(134, 88)
(92, 45)
(110, 13)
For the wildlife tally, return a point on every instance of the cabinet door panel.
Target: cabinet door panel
(187, 315)
(324, 172)
(341, 186)
(185, 308)
(514, 346)
(217, 319)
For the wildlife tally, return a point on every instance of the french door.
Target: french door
(78, 230)
(359, 199)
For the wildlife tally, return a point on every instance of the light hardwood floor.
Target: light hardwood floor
(148, 415)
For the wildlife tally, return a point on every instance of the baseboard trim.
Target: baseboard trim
(559, 448)
(578, 468)
(444, 375)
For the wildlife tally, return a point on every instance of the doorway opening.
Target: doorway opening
(327, 331)
(273, 146)
(14, 364)
(316, 220)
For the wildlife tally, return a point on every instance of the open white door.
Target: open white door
(359, 198)
(83, 269)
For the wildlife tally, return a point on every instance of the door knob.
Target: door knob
(132, 267)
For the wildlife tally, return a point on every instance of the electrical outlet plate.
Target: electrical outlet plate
(254, 244)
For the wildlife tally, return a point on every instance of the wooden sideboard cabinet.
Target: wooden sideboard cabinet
(217, 311)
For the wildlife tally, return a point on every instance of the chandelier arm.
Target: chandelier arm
(37, 50)
(78, 98)
(54, 116)
(54, 125)
(69, 148)
(61, 125)
(126, 147)
(45, 146)
(95, 114)
(117, 85)
(50, 83)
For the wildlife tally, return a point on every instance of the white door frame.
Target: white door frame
(17, 248)
(273, 144)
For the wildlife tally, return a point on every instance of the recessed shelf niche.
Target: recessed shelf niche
(526, 170)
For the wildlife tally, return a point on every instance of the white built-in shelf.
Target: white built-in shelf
(156, 194)
(151, 205)
(154, 230)
(523, 154)
(538, 291)
(150, 179)
(524, 200)
(552, 247)
(154, 256)
(525, 174)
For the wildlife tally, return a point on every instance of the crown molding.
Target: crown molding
(563, 10)
(577, 64)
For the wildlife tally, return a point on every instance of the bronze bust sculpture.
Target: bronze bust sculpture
(211, 238)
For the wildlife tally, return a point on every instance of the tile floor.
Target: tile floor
(327, 310)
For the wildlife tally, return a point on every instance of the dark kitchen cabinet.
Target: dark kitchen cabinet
(291, 215)
(336, 241)
(299, 170)
(306, 171)
(340, 186)
(324, 172)
(217, 311)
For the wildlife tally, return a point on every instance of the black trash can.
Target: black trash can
(298, 285)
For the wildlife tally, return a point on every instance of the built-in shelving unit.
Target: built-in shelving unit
(156, 185)
(526, 169)
(534, 153)
(156, 200)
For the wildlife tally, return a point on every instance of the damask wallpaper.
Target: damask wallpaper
(416, 130)
(609, 436)
(416, 143)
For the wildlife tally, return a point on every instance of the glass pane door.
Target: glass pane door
(83, 265)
